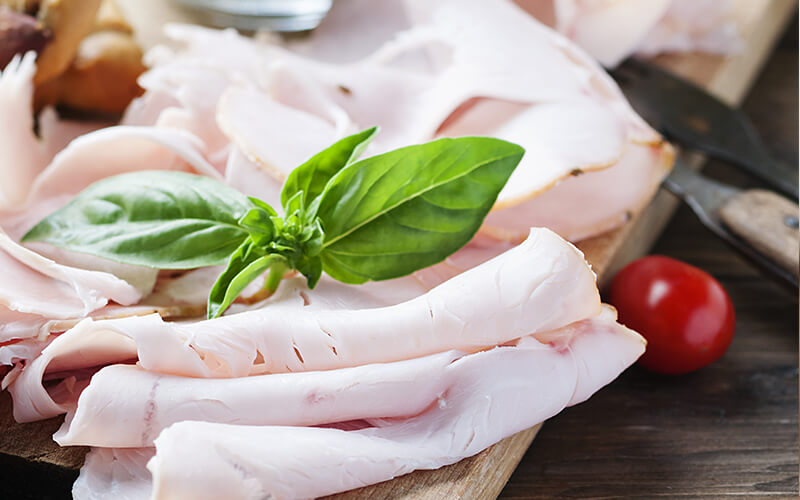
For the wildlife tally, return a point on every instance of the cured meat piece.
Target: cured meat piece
(34, 284)
(183, 96)
(56, 133)
(118, 474)
(572, 208)
(69, 352)
(486, 396)
(276, 137)
(126, 406)
(611, 31)
(555, 289)
(141, 278)
(246, 176)
(444, 79)
(100, 154)
(690, 25)
(16, 325)
(117, 150)
(22, 156)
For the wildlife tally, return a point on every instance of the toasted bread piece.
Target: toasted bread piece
(102, 78)
(69, 21)
(110, 18)
(26, 6)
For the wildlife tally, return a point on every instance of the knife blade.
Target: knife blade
(690, 116)
(760, 225)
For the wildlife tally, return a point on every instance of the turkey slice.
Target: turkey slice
(556, 288)
(22, 156)
(127, 406)
(34, 284)
(612, 31)
(479, 399)
(120, 474)
(426, 72)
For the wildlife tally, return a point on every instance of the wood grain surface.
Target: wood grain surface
(589, 450)
(768, 222)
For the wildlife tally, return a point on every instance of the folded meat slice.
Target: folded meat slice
(100, 154)
(68, 352)
(578, 208)
(22, 156)
(476, 400)
(419, 71)
(183, 96)
(571, 119)
(127, 406)
(542, 284)
(487, 305)
(611, 31)
(120, 474)
(248, 177)
(34, 284)
(276, 137)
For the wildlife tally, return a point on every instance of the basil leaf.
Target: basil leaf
(312, 176)
(258, 222)
(240, 259)
(161, 219)
(264, 205)
(311, 268)
(392, 214)
(244, 267)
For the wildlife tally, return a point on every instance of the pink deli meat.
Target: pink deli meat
(358, 384)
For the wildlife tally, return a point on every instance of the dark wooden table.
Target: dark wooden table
(729, 430)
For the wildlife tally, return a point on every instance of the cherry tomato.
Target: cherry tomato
(683, 312)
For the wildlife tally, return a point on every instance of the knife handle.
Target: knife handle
(768, 222)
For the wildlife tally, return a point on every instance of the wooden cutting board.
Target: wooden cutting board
(484, 475)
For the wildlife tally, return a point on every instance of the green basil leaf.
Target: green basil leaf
(311, 268)
(295, 204)
(392, 214)
(161, 219)
(242, 270)
(258, 222)
(243, 256)
(264, 205)
(312, 176)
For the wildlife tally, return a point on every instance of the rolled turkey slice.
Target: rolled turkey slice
(126, 406)
(336, 327)
(540, 285)
(481, 399)
(33, 284)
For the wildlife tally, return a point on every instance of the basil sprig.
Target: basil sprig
(379, 218)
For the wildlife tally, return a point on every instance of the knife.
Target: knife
(690, 116)
(760, 225)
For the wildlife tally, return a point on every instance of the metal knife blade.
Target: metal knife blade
(692, 117)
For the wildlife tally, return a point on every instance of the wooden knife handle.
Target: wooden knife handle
(768, 222)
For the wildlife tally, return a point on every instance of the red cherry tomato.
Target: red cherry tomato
(683, 312)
